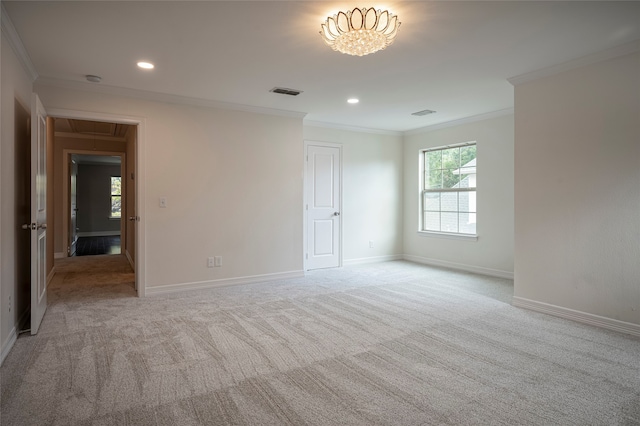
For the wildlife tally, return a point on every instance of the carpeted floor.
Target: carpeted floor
(392, 343)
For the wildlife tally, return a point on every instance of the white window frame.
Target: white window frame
(111, 198)
(423, 190)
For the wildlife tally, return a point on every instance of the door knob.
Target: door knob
(132, 218)
(27, 226)
(42, 226)
(336, 213)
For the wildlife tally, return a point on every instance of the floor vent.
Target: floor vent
(283, 91)
(423, 112)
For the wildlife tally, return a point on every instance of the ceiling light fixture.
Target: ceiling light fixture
(353, 101)
(360, 31)
(145, 65)
(93, 78)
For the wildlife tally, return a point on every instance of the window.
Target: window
(116, 196)
(448, 190)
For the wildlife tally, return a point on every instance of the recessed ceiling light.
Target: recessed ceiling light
(353, 100)
(93, 78)
(146, 65)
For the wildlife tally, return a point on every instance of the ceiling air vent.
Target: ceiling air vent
(283, 91)
(423, 112)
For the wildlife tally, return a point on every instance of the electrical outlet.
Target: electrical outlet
(370, 244)
(210, 262)
(217, 261)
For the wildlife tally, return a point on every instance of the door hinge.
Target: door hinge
(307, 207)
(306, 256)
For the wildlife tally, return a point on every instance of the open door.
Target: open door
(73, 208)
(38, 223)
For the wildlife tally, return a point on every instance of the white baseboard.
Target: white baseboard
(59, 255)
(373, 259)
(99, 234)
(460, 266)
(51, 274)
(578, 316)
(171, 288)
(8, 344)
(131, 262)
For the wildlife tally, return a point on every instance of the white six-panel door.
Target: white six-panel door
(323, 206)
(38, 223)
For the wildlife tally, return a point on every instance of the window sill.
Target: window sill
(448, 236)
(115, 217)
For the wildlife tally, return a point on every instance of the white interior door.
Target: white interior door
(323, 206)
(38, 223)
(73, 209)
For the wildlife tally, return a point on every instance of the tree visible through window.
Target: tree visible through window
(449, 189)
(116, 196)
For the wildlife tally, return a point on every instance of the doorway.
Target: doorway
(95, 169)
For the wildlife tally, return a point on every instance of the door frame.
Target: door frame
(66, 190)
(305, 197)
(139, 182)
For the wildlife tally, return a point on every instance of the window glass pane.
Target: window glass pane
(116, 185)
(451, 158)
(468, 201)
(431, 221)
(467, 153)
(467, 223)
(449, 222)
(435, 179)
(432, 201)
(433, 160)
(449, 202)
(450, 179)
(116, 210)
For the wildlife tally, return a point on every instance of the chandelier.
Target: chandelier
(360, 31)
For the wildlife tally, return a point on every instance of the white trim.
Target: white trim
(578, 316)
(16, 44)
(447, 236)
(131, 262)
(322, 124)
(199, 285)
(99, 234)
(459, 266)
(604, 55)
(59, 255)
(85, 136)
(8, 344)
(373, 259)
(51, 274)
(163, 97)
(461, 121)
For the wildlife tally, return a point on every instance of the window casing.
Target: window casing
(116, 197)
(448, 190)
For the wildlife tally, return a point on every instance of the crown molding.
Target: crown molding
(623, 49)
(458, 122)
(16, 43)
(162, 97)
(335, 126)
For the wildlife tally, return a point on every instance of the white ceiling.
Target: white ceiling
(452, 57)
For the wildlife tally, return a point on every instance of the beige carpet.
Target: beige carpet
(385, 344)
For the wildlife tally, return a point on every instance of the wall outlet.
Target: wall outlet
(217, 261)
(370, 244)
(210, 262)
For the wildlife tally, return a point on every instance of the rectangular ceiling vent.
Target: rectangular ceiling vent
(423, 112)
(284, 91)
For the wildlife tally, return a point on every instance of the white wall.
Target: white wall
(233, 182)
(16, 88)
(371, 191)
(577, 181)
(492, 253)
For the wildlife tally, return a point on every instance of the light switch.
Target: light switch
(163, 202)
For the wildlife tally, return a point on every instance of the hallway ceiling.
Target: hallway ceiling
(452, 57)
